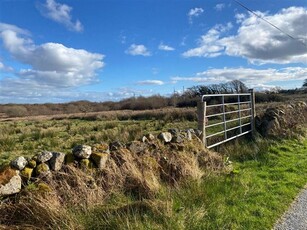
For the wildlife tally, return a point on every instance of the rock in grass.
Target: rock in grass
(31, 163)
(101, 148)
(86, 164)
(165, 136)
(10, 181)
(137, 147)
(82, 151)
(177, 139)
(43, 187)
(189, 133)
(174, 131)
(19, 163)
(26, 173)
(150, 137)
(42, 169)
(100, 159)
(57, 160)
(69, 158)
(44, 156)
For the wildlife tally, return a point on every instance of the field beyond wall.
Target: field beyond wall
(259, 179)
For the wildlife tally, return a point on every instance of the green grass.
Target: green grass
(267, 175)
(26, 138)
(252, 196)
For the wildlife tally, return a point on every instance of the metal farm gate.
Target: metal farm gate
(224, 117)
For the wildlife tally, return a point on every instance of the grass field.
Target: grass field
(263, 177)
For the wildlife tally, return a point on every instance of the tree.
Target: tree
(305, 83)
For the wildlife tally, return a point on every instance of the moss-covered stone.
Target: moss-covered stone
(26, 173)
(32, 163)
(43, 187)
(42, 168)
(100, 159)
(69, 158)
(87, 164)
(101, 148)
(10, 181)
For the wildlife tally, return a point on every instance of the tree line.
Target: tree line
(188, 98)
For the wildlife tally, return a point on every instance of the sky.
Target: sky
(100, 50)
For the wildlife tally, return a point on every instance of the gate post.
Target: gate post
(253, 107)
(201, 113)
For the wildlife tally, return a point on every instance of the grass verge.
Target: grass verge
(253, 195)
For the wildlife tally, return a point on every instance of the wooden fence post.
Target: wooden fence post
(201, 113)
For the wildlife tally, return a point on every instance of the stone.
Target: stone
(101, 148)
(31, 163)
(189, 134)
(150, 137)
(173, 131)
(43, 187)
(137, 147)
(42, 169)
(82, 151)
(100, 159)
(19, 163)
(86, 164)
(144, 139)
(177, 139)
(44, 156)
(69, 158)
(10, 181)
(26, 173)
(165, 136)
(57, 161)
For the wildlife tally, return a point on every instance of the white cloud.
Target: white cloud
(150, 82)
(165, 47)
(219, 7)
(52, 63)
(138, 50)
(5, 68)
(240, 18)
(259, 42)
(251, 77)
(19, 91)
(195, 12)
(52, 66)
(208, 45)
(16, 29)
(60, 13)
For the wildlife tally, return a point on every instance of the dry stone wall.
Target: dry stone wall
(22, 170)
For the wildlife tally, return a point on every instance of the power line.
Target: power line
(276, 27)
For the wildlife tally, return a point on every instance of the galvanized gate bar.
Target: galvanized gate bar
(241, 120)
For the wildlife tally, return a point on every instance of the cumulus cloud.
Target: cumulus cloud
(252, 77)
(195, 12)
(150, 82)
(9, 27)
(135, 50)
(52, 63)
(52, 66)
(259, 42)
(208, 45)
(60, 13)
(165, 47)
(219, 7)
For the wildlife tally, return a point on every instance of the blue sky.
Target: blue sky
(63, 50)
